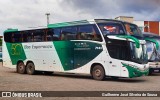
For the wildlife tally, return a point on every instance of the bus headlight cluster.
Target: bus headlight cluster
(133, 66)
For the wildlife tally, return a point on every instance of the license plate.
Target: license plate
(156, 70)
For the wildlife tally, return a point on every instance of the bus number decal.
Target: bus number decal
(16, 49)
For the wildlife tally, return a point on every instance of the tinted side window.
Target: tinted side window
(38, 36)
(118, 49)
(17, 37)
(56, 34)
(68, 33)
(52, 34)
(25, 36)
(29, 36)
(8, 37)
(88, 32)
(13, 37)
(33, 36)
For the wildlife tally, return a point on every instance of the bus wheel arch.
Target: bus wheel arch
(21, 68)
(30, 68)
(97, 71)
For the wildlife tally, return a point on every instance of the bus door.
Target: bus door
(118, 51)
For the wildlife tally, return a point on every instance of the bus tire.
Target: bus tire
(21, 68)
(30, 68)
(98, 72)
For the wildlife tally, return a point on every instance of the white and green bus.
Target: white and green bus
(99, 47)
(153, 50)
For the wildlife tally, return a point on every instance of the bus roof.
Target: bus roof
(82, 22)
(72, 23)
(11, 30)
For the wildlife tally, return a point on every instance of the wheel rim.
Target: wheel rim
(30, 68)
(21, 67)
(98, 73)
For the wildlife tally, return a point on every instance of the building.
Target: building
(149, 26)
(125, 18)
(145, 26)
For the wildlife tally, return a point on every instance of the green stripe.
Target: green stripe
(132, 38)
(11, 30)
(64, 24)
(16, 52)
(65, 53)
(135, 72)
(74, 54)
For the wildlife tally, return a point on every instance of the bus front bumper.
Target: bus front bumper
(154, 65)
(135, 72)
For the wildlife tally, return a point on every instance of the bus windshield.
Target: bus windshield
(132, 29)
(119, 49)
(138, 54)
(111, 29)
(153, 53)
(158, 40)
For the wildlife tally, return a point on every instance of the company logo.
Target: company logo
(6, 94)
(98, 48)
(22, 94)
(16, 49)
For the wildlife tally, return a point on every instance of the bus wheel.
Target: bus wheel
(21, 68)
(30, 68)
(98, 72)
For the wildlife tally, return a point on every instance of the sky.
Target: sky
(24, 14)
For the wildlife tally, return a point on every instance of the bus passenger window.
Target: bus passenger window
(8, 37)
(48, 35)
(88, 32)
(25, 36)
(56, 34)
(38, 36)
(52, 34)
(14, 37)
(29, 35)
(68, 33)
(18, 37)
(128, 29)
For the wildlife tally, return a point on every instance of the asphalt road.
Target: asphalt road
(12, 81)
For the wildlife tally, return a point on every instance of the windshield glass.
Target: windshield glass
(150, 49)
(153, 53)
(138, 54)
(111, 28)
(158, 40)
(132, 29)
